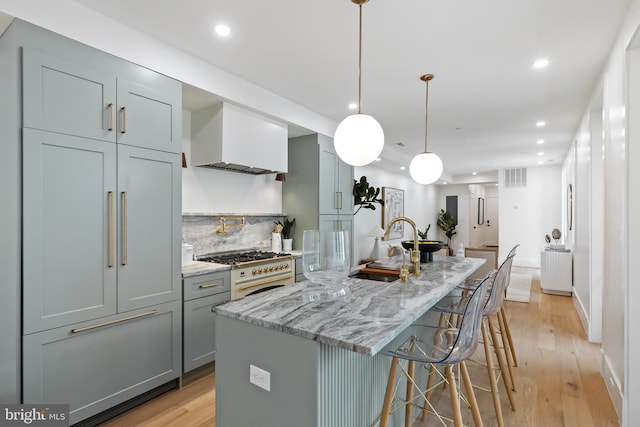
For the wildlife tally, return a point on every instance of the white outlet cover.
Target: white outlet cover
(260, 377)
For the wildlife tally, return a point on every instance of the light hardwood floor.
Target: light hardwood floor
(557, 379)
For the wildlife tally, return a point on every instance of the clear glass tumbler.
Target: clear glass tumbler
(326, 262)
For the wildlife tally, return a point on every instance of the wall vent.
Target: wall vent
(515, 178)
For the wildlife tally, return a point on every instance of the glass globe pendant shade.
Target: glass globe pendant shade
(359, 139)
(426, 168)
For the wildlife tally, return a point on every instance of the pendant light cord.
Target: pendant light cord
(360, 60)
(426, 79)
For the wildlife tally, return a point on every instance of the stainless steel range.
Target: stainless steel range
(255, 271)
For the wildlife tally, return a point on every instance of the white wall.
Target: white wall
(528, 213)
(420, 204)
(619, 196)
(465, 219)
(207, 190)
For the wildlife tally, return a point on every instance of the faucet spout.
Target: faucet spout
(415, 253)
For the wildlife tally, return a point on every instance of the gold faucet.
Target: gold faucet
(404, 269)
(415, 253)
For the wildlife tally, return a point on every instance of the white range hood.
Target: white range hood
(228, 137)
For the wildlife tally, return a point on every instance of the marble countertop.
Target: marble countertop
(370, 318)
(199, 267)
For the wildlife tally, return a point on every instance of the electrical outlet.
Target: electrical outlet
(260, 377)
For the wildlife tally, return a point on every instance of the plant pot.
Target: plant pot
(427, 247)
(287, 245)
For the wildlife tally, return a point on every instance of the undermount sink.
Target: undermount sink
(373, 276)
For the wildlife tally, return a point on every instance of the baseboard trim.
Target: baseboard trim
(582, 314)
(613, 386)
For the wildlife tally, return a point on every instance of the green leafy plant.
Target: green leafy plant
(365, 195)
(423, 234)
(287, 227)
(447, 223)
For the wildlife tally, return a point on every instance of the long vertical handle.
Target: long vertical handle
(110, 108)
(111, 230)
(124, 228)
(124, 120)
(339, 194)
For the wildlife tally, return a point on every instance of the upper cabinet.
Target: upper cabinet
(71, 98)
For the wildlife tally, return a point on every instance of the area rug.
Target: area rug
(519, 289)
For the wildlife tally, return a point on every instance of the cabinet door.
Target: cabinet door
(329, 198)
(345, 187)
(149, 237)
(69, 272)
(67, 97)
(93, 366)
(199, 328)
(149, 118)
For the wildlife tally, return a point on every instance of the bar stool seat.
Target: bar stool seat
(436, 346)
(453, 306)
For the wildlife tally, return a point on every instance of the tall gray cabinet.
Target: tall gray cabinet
(318, 191)
(101, 222)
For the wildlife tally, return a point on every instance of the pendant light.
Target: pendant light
(426, 168)
(359, 138)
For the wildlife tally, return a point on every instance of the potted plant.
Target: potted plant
(447, 223)
(365, 195)
(287, 233)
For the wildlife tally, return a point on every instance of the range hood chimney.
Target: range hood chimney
(231, 138)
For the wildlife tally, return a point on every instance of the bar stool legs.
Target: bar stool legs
(507, 345)
(492, 378)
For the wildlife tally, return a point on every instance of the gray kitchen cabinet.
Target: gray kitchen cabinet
(149, 227)
(95, 365)
(69, 269)
(201, 294)
(105, 101)
(101, 222)
(318, 191)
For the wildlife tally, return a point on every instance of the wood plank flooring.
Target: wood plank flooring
(557, 379)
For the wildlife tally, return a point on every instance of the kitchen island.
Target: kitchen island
(284, 363)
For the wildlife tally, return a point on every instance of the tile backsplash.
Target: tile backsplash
(204, 231)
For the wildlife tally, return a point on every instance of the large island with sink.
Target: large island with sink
(280, 362)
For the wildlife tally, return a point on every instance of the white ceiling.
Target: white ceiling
(485, 98)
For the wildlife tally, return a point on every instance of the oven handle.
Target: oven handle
(264, 282)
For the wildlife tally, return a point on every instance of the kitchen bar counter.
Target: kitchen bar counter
(280, 362)
(374, 314)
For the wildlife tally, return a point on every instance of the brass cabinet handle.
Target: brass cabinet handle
(339, 202)
(124, 120)
(124, 228)
(111, 229)
(113, 322)
(209, 285)
(110, 107)
(264, 282)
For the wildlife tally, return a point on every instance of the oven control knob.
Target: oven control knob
(283, 266)
(260, 270)
(254, 271)
(271, 268)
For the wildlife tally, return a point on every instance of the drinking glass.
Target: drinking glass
(325, 262)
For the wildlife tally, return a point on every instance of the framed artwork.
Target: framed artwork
(393, 208)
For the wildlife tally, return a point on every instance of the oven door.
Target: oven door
(243, 287)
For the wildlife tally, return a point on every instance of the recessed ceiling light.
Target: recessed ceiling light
(444, 182)
(540, 141)
(540, 162)
(222, 30)
(402, 168)
(378, 159)
(353, 106)
(540, 153)
(541, 123)
(474, 173)
(541, 63)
